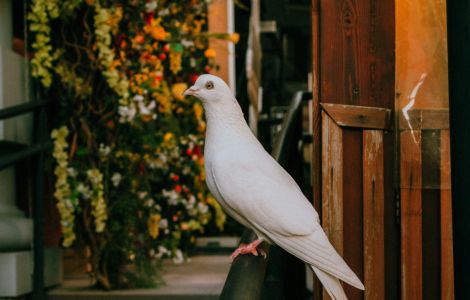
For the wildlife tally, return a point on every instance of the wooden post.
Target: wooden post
(374, 226)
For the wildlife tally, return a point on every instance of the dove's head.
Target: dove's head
(210, 90)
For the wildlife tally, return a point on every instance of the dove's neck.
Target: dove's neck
(225, 122)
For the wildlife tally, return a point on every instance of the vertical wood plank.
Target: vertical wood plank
(430, 205)
(332, 178)
(357, 40)
(447, 254)
(332, 173)
(411, 215)
(373, 189)
(316, 118)
(353, 207)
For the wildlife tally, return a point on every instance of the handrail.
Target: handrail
(11, 159)
(13, 153)
(20, 109)
(246, 276)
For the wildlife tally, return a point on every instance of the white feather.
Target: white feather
(255, 190)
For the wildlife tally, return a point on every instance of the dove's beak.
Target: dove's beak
(191, 91)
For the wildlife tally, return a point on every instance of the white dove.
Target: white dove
(257, 192)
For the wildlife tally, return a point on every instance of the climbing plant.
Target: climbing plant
(127, 156)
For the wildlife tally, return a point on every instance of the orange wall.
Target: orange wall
(218, 23)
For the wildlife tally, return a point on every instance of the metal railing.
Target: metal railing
(253, 277)
(12, 153)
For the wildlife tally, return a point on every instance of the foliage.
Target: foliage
(128, 146)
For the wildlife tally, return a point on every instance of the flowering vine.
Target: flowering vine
(131, 169)
(62, 188)
(41, 63)
(97, 199)
(105, 22)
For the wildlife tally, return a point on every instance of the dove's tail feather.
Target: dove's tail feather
(331, 284)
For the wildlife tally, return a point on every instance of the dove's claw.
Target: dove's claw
(250, 248)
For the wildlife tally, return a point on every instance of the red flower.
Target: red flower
(166, 48)
(197, 150)
(149, 17)
(189, 152)
(178, 188)
(162, 56)
(175, 177)
(192, 78)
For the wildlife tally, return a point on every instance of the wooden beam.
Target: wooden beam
(373, 190)
(411, 215)
(332, 178)
(447, 254)
(358, 116)
(418, 119)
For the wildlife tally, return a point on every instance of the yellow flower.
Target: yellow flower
(219, 213)
(234, 37)
(97, 200)
(168, 136)
(198, 111)
(175, 62)
(210, 53)
(177, 90)
(158, 33)
(62, 190)
(153, 224)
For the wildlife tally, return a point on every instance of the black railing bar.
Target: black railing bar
(246, 275)
(284, 137)
(10, 159)
(9, 112)
(40, 133)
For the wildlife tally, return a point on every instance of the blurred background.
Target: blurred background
(102, 178)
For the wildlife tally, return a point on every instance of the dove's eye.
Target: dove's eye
(209, 85)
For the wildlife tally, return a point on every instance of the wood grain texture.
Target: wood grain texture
(373, 190)
(358, 116)
(332, 178)
(316, 130)
(352, 207)
(357, 39)
(447, 257)
(424, 119)
(411, 215)
(431, 196)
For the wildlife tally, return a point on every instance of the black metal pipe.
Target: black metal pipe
(20, 109)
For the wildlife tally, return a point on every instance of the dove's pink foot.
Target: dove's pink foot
(247, 249)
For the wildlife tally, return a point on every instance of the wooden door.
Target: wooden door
(381, 153)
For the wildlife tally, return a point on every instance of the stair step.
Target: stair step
(202, 278)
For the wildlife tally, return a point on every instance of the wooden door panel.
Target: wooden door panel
(374, 216)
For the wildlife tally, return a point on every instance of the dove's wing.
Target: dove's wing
(266, 196)
(264, 193)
